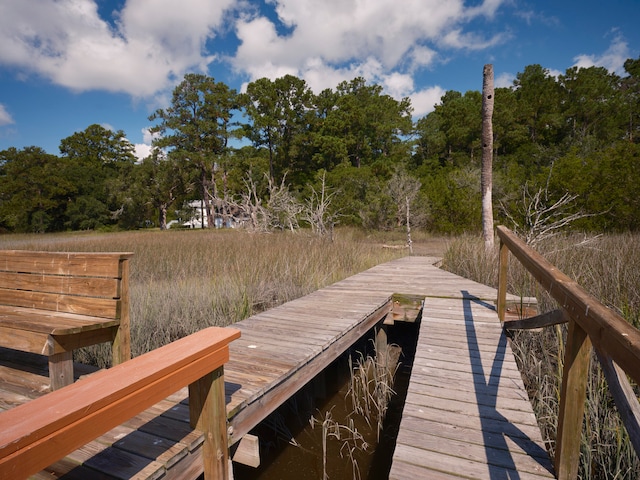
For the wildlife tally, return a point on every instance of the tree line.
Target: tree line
(350, 155)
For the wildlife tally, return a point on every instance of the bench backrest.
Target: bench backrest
(71, 282)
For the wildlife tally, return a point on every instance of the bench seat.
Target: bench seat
(51, 323)
(52, 303)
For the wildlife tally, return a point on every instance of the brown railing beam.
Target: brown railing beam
(608, 330)
(42, 431)
(615, 341)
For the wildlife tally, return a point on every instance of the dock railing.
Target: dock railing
(42, 431)
(591, 325)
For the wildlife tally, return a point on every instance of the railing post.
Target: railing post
(503, 270)
(208, 414)
(573, 395)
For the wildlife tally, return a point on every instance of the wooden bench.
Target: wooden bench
(52, 303)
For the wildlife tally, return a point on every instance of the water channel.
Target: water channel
(318, 435)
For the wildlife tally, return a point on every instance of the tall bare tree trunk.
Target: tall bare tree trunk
(409, 241)
(486, 178)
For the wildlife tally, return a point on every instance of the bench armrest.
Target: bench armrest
(40, 432)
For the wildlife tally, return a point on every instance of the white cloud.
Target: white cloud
(150, 46)
(5, 117)
(459, 39)
(398, 85)
(349, 32)
(424, 101)
(143, 150)
(148, 137)
(329, 41)
(612, 59)
(488, 8)
(504, 80)
(422, 56)
(555, 73)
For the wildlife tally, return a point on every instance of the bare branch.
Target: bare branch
(317, 212)
(541, 220)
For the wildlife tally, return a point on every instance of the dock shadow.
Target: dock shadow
(495, 427)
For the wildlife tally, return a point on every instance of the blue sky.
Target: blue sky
(67, 64)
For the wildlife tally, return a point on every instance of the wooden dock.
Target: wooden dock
(467, 413)
(282, 349)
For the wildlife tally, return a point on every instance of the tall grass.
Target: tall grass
(608, 267)
(183, 281)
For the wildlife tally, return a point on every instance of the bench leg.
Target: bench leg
(121, 346)
(61, 370)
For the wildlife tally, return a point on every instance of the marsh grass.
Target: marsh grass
(370, 388)
(608, 267)
(183, 281)
(347, 436)
(371, 384)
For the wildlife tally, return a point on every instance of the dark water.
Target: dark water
(328, 398)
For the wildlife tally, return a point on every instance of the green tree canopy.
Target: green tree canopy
(33, 190)
(279, 112)
(196, 128)
(97, 161)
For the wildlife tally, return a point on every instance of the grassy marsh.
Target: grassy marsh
(182, 281)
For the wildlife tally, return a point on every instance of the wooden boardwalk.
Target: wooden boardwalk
(467, 414)
(282, 349)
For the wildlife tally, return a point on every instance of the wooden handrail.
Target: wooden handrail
(590, 323)
(40, 432)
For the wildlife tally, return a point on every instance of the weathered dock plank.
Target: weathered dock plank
(467, 413)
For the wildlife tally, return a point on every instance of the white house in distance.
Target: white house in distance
(195, 211)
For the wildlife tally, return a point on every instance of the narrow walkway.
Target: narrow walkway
(266, 366)
(467, 414)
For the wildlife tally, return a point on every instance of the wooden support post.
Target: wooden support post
(61, 370)
(382, 348)
(503, 272)
(572, 398)
(207, 412)
(121, 347)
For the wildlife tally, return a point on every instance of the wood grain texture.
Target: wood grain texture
(467, 413)
(52, 303)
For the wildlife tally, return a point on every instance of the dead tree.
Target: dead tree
(282, 206)
(279, 212)
(539, 218)
(317, 211)
(486, 178)
(403, 190)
